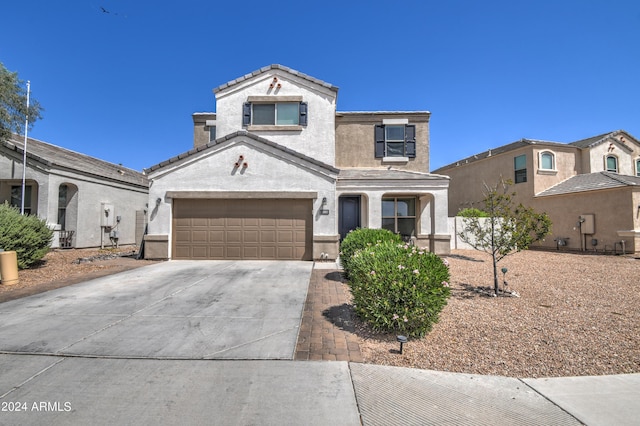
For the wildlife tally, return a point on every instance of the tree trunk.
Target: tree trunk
(495, 274)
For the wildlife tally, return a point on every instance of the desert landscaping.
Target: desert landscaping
(577, 313)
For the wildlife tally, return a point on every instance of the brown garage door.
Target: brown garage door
(242, 229)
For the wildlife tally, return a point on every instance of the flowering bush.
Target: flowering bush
(362, 238)
(399, 288)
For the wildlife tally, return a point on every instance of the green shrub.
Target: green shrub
(361, 238)
(472, 212)
(27, 235)
(399, 288)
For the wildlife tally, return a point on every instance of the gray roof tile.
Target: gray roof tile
(274, 67)
(591, 182)
(55, 156)
(232, 136)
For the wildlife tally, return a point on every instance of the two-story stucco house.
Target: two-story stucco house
(589, 188)
(277, 173)
(86, 201)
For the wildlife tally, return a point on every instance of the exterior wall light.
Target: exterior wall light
(323, 207)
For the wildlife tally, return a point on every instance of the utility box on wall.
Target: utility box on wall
(108, 215)
(588, 224)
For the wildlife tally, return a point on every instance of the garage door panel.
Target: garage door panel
(243, 229)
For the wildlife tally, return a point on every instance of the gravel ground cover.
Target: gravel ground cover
(577, 314)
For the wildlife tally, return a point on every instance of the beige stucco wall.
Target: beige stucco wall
(467, 185)
(612, 210)
(567, 164)
(355, 142)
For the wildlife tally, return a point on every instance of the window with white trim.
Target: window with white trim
(547, 161)
(275, 114)
(611, 163)
(395, 140)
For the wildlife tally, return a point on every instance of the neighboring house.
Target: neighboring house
(277, 173)
(88, 202)
(589, 188)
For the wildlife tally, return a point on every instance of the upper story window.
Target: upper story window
(611, 163)
(212, 133)
(547, 161)
(637, 167)
(395, 140)
(520, 168)
(274, 114)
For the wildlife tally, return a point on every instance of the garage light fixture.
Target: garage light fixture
(323, 207)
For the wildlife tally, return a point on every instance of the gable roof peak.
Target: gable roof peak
(276, 67)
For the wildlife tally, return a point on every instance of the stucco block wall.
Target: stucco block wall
(612, 210)
(355, 141)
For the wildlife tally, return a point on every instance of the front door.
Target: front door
(348, 214)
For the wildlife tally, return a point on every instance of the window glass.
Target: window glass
(395, 149)
(546, 161)
(288, 114)
(399, 216)
(16, 198)
(406, 206)
(212, 133)
(388, 208)
(394, 133)
(62, 205)
(520, 166)
(637, 167)
(264, 114)
(612, 164)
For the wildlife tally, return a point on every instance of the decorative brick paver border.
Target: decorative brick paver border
(326, 331)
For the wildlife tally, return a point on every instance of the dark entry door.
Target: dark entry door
(348, 214)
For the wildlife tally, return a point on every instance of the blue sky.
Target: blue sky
(122, 85)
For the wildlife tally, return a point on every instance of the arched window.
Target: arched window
(611, 163)
(547, 161)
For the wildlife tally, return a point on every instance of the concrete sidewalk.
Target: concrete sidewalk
(37, 389)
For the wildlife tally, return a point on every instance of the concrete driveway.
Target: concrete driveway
(170, 310)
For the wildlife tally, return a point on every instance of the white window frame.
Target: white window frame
(540, 161)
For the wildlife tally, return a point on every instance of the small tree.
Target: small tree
(507, 229)
(13, 104)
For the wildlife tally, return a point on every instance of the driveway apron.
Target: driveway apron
(170, 310)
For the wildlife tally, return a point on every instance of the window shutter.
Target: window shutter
(303, 114)
(246, 114)
(379, 139)
(410, 140)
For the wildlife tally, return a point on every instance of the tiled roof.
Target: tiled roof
(274, 67)
(591, 182)
(594, 140)
(500, 150)
(234, 135)
(55, 156)
(385, 174)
